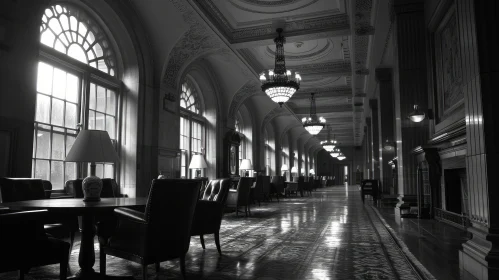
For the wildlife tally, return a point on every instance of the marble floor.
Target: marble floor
(328, 235)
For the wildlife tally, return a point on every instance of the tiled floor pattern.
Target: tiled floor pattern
(329, 235)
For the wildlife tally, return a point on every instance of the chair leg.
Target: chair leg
(71, 243)
(182, 266)
(102, 262)
(201, 238)
(157, 267)
(217, 242)
(144, 271)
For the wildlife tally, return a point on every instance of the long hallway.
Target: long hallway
(329, 235)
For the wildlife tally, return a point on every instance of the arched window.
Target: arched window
(71, 31)
(71, 95)
(192, 129)
(188, 98)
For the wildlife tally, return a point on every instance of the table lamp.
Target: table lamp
(294, 170)
(246, 165)
(311, 171)
(302, 170)
(93, 146)
(198, 163)
(284, 168)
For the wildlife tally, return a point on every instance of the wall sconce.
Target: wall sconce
(419, 115)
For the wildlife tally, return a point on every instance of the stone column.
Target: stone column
(480, 64)
(410, 87)
(373, 103)
(386, 123)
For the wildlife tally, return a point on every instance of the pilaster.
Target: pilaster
(386, 124)
(373, 104)
(410, 87)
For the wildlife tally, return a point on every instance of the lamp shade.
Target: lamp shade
(197, 162)
(294, 169)
(284, 167)
(246, 164)
(311, 171)
(302, 170)
(92, 146)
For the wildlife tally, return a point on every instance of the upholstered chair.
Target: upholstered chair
(162, 232)
(241, 196)
(258, 194)
(276, 186)
(24, 243)
(266, 186)
(210, 210)
(20, 189)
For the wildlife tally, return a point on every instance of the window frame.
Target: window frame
(192, 117)
(86, 75)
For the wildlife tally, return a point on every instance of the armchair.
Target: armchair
(162, 232)
(266, 186)
(241, 196)
(276, 187)
(20, 189)
(258, 194)
(210, 209)
(24, 243)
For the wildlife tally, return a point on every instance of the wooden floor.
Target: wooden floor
(328, 235)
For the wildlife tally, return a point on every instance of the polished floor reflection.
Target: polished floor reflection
(328, 235)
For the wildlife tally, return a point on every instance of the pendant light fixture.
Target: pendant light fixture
(329, 144)
(388, 146)
(313, 124)
(279, 84)
(336, 152)
(341, 156)
(416, 115)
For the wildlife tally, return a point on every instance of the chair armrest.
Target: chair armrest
(233, 190)
(130, 214)
(205, 205)
(24, 216)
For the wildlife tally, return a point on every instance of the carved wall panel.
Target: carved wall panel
(450, 95)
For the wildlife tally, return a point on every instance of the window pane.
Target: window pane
(108, 171)
(70, 115)
(43, 144)
(42, 108)
(111, 103)
(91, 120)
(69, 143)
(57, 174)
(72, 88)
(57, 112)
(99, 121)
(42, 169)
(101, 99)
(59, 84)
(92, 97)
(110, 126)
(58, 146)
(44, 81)
(70, 173)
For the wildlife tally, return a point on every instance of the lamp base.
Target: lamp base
(92, 187)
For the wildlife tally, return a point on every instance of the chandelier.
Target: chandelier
(329, 144)
(341, 156)
(313, 124)
(336, 152)
(279, 84)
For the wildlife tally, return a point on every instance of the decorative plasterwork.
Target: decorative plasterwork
(197, 40)
(266, 31)
(288, 128)
(326, 49)
(274, 113)
(342, 67)
(267, 4)
(249, 89)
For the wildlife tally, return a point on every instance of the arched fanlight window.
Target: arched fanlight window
(188, 98)
(71, 31)
(70, 95)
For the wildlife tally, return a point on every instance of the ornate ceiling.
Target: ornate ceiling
(326, 42)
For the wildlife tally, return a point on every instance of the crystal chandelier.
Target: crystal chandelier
(313, 124)
(336, 152)
(341, 156)
(329, 144)
(279, 84)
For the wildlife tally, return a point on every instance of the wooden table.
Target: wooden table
(88, 210)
